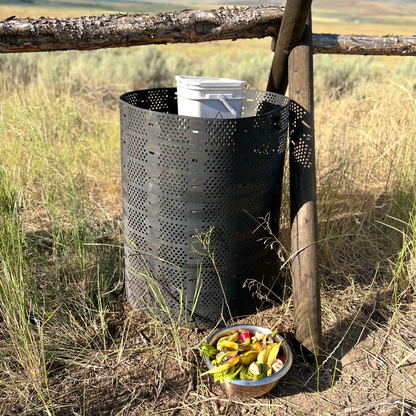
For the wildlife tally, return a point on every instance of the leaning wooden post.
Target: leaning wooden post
(290, 33)
(306, 282)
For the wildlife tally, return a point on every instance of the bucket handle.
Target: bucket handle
(227, 105)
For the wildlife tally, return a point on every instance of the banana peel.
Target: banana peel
(248, 357)
(229, 338)
(243, 346)
(229, 354)
(255, 346)
(271, 358)
(229, 345)
(222, 377)
(229, 375)
(263, 354)
(222, 367)
(244, 374)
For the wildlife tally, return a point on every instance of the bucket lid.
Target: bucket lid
(202, 82)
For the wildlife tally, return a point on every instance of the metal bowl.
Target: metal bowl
(251, 388)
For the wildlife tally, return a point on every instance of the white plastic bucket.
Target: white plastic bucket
(210, 97)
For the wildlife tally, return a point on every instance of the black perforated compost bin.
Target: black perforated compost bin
(183, 175)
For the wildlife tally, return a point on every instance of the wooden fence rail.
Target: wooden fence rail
(190, 26)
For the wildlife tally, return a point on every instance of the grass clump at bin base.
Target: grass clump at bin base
(69, 343)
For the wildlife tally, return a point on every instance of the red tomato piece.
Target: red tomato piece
(245, 336)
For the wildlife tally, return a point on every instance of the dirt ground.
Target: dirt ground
(361, 377)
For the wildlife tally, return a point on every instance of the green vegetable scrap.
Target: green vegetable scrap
(208, 350)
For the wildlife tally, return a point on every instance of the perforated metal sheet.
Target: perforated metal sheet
(183, 175)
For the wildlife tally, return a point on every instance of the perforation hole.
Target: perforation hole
(256, 204)
(219, 187)
(172, 232)
(172, 183)
(137, 198)
(173, 157)
(302, 151)
(213, 300)
(158, 99)
(173, 209)
(263, 149)
(282, 143)
(211, 282)
(218, 211)
(174, 255)
(136, 285)
(223, 259)
(136, 147)
(137, 221)
(137, 123)
(137, 173)
(222, 132)
(136, 242)
(260, 180)
(174, 129)
(175, 276)
(220, 160)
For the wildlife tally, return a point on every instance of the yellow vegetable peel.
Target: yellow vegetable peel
(255, 346)
(272, 357)
(263, 354)
(230, 345)
(227, 338)
(248, 357)
(223, 367)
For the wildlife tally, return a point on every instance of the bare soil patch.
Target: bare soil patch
(361, 375)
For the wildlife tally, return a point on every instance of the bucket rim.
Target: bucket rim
(208, 83)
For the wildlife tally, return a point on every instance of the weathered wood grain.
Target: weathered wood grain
(123, 30)
(305, 272)
(364, 45)
(48, 34)
(290, 33)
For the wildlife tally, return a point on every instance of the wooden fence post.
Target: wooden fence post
(290, 33)
(306, 282)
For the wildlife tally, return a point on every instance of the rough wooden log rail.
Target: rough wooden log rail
(364, 45)
(121, 30)
(189, 26)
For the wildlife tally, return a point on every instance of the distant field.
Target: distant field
(65, 8)
(36, 11)
(363, 17)
(363, 28)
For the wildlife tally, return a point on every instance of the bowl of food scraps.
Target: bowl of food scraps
(248, 360)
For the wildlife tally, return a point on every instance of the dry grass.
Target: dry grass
(69, 344)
